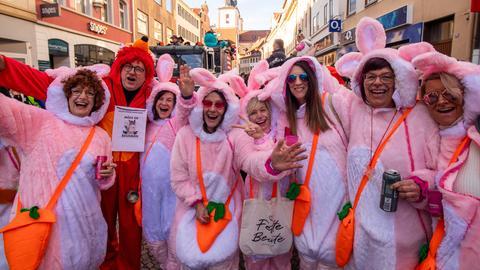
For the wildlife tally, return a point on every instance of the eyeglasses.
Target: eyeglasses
(217, 105)
(78, 91)
(384, 78)
(293, 77)
(433, 97)
(136, 69)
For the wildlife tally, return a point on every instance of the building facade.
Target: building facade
(155, 19)
(86, 32)
(202, 13)
(447, 25)
(17, 34)
(188, 23)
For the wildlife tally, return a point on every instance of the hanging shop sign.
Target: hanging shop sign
(49, 10)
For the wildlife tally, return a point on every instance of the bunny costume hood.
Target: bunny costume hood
(428, 61)
(208, 83)
(164, 70)
(57, 103)
(371, 41)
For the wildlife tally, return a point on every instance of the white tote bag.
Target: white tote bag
(266, 225)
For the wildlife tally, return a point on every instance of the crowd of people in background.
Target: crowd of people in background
(321, 143)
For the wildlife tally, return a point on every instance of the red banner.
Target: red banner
(475, 6)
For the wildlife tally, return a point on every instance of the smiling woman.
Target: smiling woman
(84, 93)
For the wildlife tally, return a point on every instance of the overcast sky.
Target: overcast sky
(256, 14)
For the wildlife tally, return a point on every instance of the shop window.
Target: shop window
(439, 33)
(142, 22)
(351, 7)
(157, 31)
(123, 14)
(87, 55)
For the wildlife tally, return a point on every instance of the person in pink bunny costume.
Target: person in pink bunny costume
(451, 91)
(300, 91)
(384, 97)
(208, 151)
(260, 121)
(168, 108)
(49, 140)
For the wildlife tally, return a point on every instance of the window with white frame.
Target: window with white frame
(106, 11)
(169, 33)
(157, 31)
(351, 6)
(123, 10)
(81, 6)
(325, 14)
(142, 22)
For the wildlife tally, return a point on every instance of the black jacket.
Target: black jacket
(277, 58)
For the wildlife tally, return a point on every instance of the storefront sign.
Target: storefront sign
(97, 28)
(57, 47)
(334, 26)
(396, 18)
(49, 10)
(348, 36)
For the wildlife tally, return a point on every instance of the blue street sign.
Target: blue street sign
(334, 26)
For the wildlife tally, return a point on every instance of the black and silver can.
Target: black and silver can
(389, 197)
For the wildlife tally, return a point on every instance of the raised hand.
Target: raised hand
(253, 130)
(186, 83)
(287, 157)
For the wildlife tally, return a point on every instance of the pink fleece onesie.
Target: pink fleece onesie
(223, 154)
(460, 247)
(316, 244)
(386, 240)
(158, 199)
(49, 141)
(260, 72)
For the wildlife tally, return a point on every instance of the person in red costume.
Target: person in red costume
(129, 82)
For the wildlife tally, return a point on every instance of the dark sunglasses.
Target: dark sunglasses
(293, 77)
(208, 104)
(433, 97)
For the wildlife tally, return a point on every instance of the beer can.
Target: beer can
(389, 196)
(99, 166)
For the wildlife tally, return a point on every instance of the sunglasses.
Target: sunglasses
(217, 105)
(433, 97)
(293, 77)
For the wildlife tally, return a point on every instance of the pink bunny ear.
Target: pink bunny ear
(102, 70)
(164, 67)
(236, 83)
(370, 35)
(61, 71)
(432, 62)
(203, 77)
(408, 52)
(267, 76)
(259, 68)
(348, 63)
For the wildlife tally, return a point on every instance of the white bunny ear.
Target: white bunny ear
(237, 84)
(164, 67)
(61, 71)
(102, 70)
(408, 52)
(348, 63)
(370, 35)
(259, 68)
(267, 76)
(203, 77)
